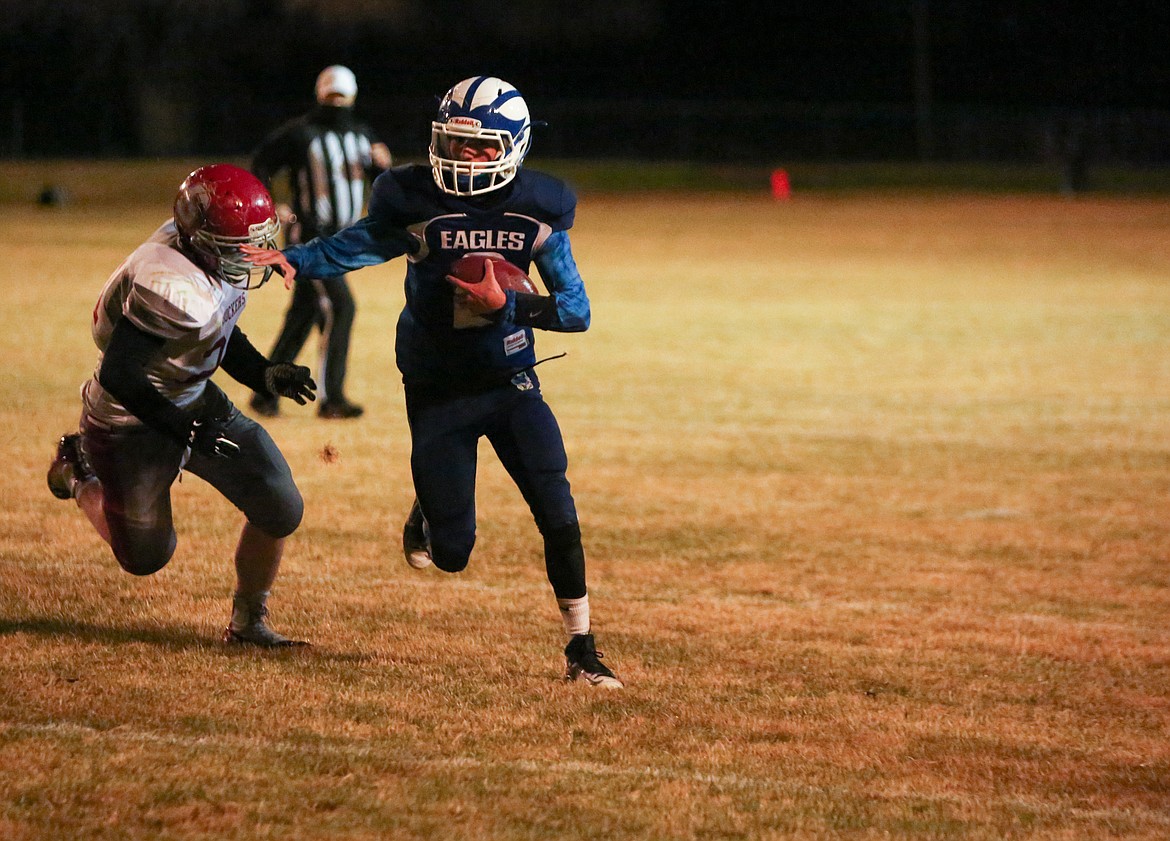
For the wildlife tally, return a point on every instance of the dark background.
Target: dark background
(645, 79)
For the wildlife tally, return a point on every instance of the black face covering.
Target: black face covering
(337, 116)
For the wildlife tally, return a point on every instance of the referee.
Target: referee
(330, 156)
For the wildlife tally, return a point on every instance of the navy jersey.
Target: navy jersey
(437, 343)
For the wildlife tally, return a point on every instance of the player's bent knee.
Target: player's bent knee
(449, 561)
(280, 513)
(451, 555)
(144, 553)
(275, 507)
(449, 564)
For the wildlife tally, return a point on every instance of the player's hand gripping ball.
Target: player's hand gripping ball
(471, 268)
(482, 279)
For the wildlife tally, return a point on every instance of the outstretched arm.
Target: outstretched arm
(364, 243)
(258, 256)
(246, 365)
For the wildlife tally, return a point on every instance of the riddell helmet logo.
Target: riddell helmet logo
(470, 122)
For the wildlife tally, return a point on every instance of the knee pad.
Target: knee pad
(279, 514)
(451, 555)
(144, 552)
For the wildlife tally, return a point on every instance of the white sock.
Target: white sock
(575, 614)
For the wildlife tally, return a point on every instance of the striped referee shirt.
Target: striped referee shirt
(326, 154)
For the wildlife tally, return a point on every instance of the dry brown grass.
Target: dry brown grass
(876, 495)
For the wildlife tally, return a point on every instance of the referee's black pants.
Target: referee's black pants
(327, 304)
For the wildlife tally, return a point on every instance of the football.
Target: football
(470, 269)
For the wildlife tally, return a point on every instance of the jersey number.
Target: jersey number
(218, 349)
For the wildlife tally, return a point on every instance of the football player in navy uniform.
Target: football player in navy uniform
(164, 323)
(465, 349)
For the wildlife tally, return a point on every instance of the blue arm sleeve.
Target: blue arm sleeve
(364, 243)
(559, 272)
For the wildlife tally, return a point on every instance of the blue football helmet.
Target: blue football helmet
(488, 110)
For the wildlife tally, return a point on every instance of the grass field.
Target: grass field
(876, 498)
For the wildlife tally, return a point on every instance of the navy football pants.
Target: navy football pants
(521, 428)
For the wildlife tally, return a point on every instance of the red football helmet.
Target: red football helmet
(220, 207)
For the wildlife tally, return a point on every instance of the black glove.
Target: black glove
(209, 438)
(284, 379)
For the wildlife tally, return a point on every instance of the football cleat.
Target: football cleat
(259, 634)
(583, 662)
(69, 467)
(416, 539)
(250, 628)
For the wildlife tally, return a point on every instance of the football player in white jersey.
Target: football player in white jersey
(164, 323)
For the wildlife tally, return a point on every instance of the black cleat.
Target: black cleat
(265, 406)
(250, 627)
(416, 539)
(69, 467)
(583, 662)
(339, 410)
(260, 635)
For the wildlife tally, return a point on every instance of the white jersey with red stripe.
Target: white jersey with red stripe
(164, 294)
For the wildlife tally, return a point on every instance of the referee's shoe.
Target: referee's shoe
(339, 409)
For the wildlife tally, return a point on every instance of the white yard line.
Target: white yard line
(126, 734)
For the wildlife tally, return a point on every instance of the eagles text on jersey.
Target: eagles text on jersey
(437, 341)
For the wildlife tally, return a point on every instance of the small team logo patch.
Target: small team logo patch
(522, 382)
(515, 342)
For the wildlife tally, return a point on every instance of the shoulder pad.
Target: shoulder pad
(168, 296)
(552, 196)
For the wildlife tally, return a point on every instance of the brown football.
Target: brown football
(470, 269)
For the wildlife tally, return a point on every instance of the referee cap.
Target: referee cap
(336, 79)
